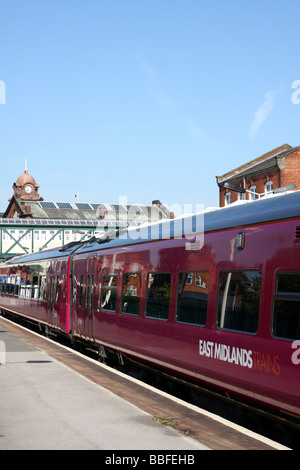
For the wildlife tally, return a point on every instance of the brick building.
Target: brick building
(278, 168)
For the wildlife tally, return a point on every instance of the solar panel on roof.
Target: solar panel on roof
(64, 205)
(82, 205)
(48, 205)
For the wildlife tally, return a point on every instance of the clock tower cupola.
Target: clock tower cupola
(26, 188)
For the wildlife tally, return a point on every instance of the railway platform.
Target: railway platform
(51, 397)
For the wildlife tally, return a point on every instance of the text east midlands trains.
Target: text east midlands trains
(240, 356)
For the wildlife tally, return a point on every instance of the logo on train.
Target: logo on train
(260, 361)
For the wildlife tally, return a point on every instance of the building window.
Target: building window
(269, 187)
(12, 234)
(227, 198)
(252, 195)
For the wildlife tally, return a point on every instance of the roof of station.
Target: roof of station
(95, 211)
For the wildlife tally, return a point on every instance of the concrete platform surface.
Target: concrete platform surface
(44, 404)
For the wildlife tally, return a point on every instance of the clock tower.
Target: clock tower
(26, 188)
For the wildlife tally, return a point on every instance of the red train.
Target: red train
(219, 305)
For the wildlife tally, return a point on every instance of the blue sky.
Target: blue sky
(144, 99)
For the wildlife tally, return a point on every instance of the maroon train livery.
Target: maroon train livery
(214, 297)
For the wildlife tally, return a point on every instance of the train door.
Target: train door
(54, 280)
(50, 295)
(89, 297)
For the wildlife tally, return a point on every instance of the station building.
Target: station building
(30, 224)
(259, 177)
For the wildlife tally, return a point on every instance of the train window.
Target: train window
(3, 284)
(35, 286)
(9, 282)
(192, 296)
(12, 285)
(109, 293)
(158, 295)
(286, 306)
(17, 287)
(239, 298)
(28, 287)
(131, 293)
(42, 288)
(23, 286)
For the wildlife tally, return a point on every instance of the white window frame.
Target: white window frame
(268, 187)
(227, 198)
(253, 189)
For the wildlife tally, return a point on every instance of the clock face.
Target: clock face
(28, 189)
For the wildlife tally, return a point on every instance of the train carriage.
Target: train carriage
(218, 304)
(36, 287)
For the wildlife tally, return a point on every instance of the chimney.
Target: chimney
(101, 213)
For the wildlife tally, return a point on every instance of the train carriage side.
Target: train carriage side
(248, 346)
(217, 315)
(225, 313)
(35, 287)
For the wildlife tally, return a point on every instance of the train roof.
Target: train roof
(45, 254)
(266, 209)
